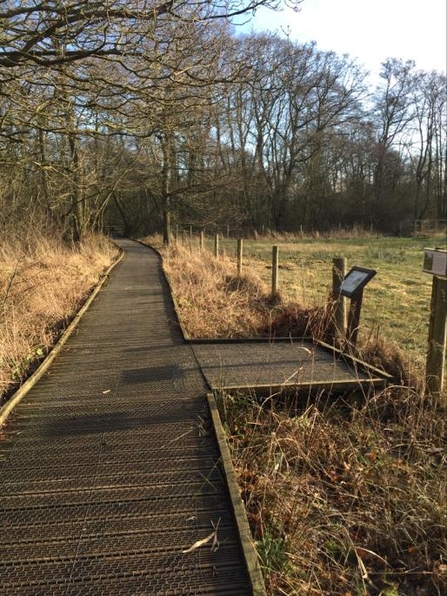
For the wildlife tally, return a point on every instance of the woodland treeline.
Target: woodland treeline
(144, 114)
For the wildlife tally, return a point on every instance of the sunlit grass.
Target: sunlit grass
(396, 302)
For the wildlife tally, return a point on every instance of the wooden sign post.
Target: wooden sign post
(435, 263)
(338, 274)
(352, 287)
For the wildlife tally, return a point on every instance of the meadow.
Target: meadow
(396, 303)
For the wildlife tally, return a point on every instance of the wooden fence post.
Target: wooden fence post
(216, 246)
(340, 310)
(201, 240)
(275, 267)
(240, 247)
(435, 369)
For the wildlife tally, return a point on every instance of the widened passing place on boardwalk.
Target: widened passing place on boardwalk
(110, 473)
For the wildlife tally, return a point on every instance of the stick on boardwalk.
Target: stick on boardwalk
(109, 465)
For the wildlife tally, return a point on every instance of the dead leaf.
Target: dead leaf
(203, 541)
(199, 543)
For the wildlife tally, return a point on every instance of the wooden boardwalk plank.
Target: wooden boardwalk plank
(109, 466)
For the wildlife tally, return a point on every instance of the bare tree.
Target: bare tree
(108, 68)
(394, 113)
(54, 32)
(427, 146)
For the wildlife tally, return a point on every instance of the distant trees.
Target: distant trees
(316, 148)
(276, 127)
(428, 152)
(153, 114)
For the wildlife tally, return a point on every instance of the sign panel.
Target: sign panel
(355, 281)
(435, 262)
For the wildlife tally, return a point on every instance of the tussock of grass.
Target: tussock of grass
(42, 284)
(293, 320)
(212, 301)
(404, 367)
(345, 504)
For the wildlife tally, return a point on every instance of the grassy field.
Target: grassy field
(396, 302)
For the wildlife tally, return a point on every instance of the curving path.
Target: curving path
(109, 467)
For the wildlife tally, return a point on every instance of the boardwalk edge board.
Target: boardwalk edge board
(247, 544)
(171, 293)
(15, 399)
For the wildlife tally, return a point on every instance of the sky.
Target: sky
(369, 30)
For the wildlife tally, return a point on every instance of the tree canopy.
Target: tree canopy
(149, 114)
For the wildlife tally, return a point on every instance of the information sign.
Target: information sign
(435, 262)
(355, 280)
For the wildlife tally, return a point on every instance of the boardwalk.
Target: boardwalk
(109, 466)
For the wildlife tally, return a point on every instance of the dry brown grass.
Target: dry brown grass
(211, 300)
(342, 501)
(335, 233)
(42, 284)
